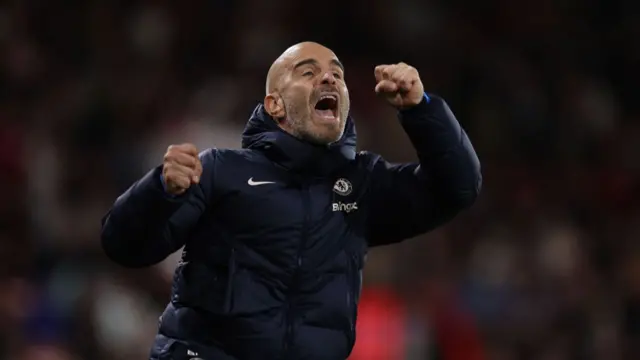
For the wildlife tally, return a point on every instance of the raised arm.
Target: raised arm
(153, 218)
(411, 199)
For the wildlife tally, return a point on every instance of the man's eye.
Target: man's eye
(307, 73)
(337, 75)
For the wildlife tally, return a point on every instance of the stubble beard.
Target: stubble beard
(301, 125)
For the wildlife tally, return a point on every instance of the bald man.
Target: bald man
(275, 234)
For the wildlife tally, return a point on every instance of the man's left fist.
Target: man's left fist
(400, 84)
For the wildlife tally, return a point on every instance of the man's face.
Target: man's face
(314, 93)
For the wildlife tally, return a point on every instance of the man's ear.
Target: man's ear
(274, 105)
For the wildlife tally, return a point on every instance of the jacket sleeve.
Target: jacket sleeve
(146, 224)
(411, 199)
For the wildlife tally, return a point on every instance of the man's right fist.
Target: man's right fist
(181, 168)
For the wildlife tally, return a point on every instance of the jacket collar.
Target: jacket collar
(263, 133)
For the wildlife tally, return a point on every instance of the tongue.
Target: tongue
(325, 113)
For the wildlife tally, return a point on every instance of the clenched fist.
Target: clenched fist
(400, 84)
(181, 168)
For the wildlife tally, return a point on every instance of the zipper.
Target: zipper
(352, 296)
(304, 235)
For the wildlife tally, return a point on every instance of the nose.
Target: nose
(328, 78)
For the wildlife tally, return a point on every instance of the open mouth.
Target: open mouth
(327, 107)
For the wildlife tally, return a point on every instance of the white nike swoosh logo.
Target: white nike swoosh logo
(256, 183)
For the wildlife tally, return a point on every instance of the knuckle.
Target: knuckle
(186, 159)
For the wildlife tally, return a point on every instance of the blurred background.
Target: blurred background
(546, 265)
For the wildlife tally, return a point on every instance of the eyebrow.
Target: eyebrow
(315, 62)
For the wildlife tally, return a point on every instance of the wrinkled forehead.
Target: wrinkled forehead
(297, 55)
(306, 52)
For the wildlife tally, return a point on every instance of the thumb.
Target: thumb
(195, 178)
(386, 86)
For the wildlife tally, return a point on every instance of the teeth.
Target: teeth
(332, 97)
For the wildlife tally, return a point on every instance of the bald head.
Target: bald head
(290, 57)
